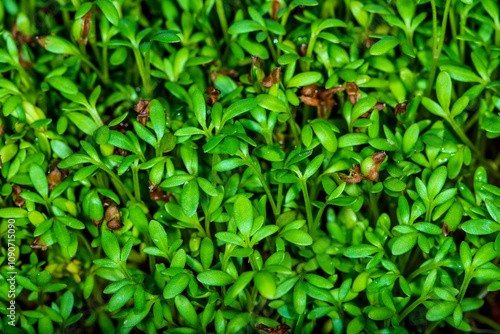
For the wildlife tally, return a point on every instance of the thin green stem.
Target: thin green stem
(421, 270)
(307, 203)
(284, 19)
(117, 181)
(293, 125)
(272, 49)
(135, 178)
(374, 211)
(145, 77)
(458, 130)
(465, 284)
(431, 328)
(317, 220)
(279, 200)
(485, 320)
(152, 264)
(259, 175)
(223, 21)
(253, 262)
(428, 213)
(105, 66)
(94, 68)
(497, 35)
(207, 226)
(461, 134)
(87, 245)
(309, 52)
(125, 272)
(95, 116)
(411, 307)
(436, 48)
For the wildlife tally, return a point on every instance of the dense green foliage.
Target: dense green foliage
(244, 166)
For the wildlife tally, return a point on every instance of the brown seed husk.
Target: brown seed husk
(400, 108)
(280, 329)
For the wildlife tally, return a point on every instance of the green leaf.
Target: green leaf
(45, 325)
(83, 122)
(190, 198)
(83, 9)
(410, 138)
(314, 166)
(186, 310)
(63, 84)
(215, 278)
(85, 172)
(239, 108)
(158, 235)
(13, 213)
(67, 302)
(71, 222)
(480, 226)
(109, 10)
(264, 232)
(207, 250)
(436, 181)
(300, 297)
(231, 238)
(26, 283)
(59, 45)
(353, 139)
(404, 243)
(63, 237)
(485, 254)
(200, 107)
(120, 298)
(206, 186)
(166, 36)
(176, 286)
(454, 216)
(443, 90)
(440, 311)
(144, 133)
(119, 56)
(359, 251)
(384, 45)
(326, 136)
(243, 215)
(380, 313)
(39, 180)
(265, 283)
(461, 74)
(244, 26)
(110, 245)
(271, 103)
(363, 106)
(298, 237)
(304, 79)
(270, 153)
(460, 105)
(465, 254)
(158, 120)
(433, 107)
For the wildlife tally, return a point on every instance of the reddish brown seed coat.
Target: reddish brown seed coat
(355, 175)
(35, 244)
(213, 94)
(113, 217)
(400, 108)
(274, 9)
(142, 108)
(18, 200)
(280, 329)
